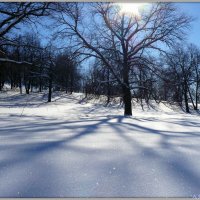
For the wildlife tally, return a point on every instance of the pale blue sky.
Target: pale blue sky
(192, 9)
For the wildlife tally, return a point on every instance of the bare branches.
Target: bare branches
(14, 13)
(4, 60)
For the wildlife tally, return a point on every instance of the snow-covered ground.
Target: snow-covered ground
(73, 148)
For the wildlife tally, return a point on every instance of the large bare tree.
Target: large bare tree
(119, 40)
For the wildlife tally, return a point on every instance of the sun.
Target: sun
(131, 8)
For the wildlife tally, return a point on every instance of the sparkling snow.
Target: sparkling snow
(74, 148)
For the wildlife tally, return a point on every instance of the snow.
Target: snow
(14, 61)
(76, 148)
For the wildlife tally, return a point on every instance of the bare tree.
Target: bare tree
(194, 62)
(14, 13)
(118, 39)
(66, 71)
(183, 75)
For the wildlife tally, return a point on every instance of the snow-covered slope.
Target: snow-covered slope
(70, 148)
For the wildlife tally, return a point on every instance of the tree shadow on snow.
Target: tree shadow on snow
(167, 154)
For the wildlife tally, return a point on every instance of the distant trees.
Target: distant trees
(67, 72)
(101, 82)
(24, 58)
(12, 48)
(35, 66)
(183, 68)
(14, 13)
(23, 61)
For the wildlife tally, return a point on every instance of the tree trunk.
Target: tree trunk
(71, 83)
(31, 88)
(108, 86)
(186, 97)
(194, 106)
(50, 90)
(127, 100)
(27, 90)
(66, 86)
(86, 91)
(20, 85)
(196, 95)
(126, 91)
(40, 80)
(40, 85)
(11, 84)
(28, 87)
(1, 85)
(165, 93)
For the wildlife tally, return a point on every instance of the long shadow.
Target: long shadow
(181, 170)
(39, 148)
(175, 164)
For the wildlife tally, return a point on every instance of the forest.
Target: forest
(96, 49)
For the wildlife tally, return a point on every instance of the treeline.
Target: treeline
(174, 78)
(36, 67)
(131, 57)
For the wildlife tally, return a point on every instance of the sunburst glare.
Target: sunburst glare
(131, 8)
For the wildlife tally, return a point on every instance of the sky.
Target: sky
(192, 9)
